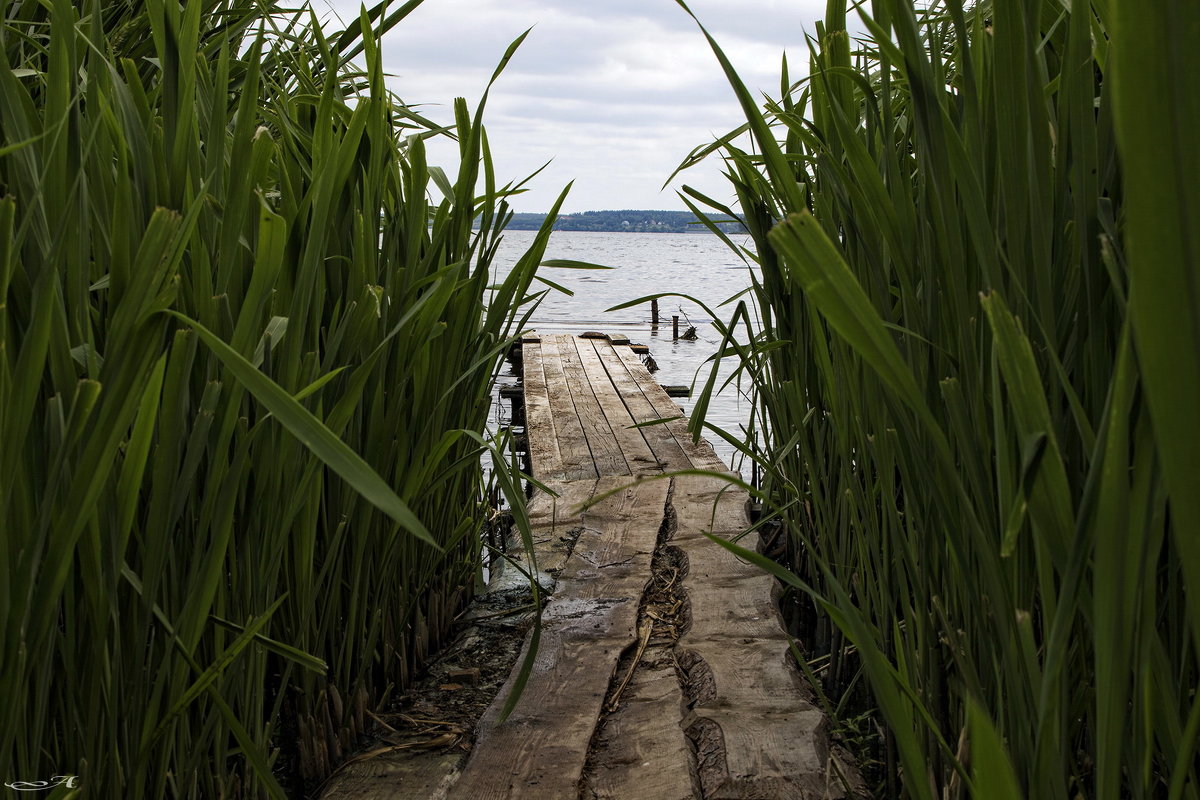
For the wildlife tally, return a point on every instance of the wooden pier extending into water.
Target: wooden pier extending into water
(663, 670)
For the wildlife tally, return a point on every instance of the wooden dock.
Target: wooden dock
(663, 670)
(582, 398)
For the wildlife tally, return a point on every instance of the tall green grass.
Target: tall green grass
(247, 339)
(978, 362)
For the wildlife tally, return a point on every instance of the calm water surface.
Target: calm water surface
(695, 264)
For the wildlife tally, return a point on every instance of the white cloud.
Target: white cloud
(616, 92)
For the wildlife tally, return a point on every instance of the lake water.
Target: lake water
(695, 264)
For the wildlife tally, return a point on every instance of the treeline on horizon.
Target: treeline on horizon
(627, 221)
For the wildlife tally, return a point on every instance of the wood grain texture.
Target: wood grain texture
(540, 751)
(575, 456)
(700, 454)
(390, 773)
(667, 450)
(543, 449)
(735, 655)
(640, 749)
(555, 520)
(604, 449)
(639, 458)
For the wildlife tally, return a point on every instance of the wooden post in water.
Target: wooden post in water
(654, 312)
(675, 327)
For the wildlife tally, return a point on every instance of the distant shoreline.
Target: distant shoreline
(624, 221)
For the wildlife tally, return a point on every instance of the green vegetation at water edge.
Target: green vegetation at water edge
(622, 222)
(247, 340)
(977, 370)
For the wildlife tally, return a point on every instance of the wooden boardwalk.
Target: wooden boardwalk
(663, 669)
(582, 398)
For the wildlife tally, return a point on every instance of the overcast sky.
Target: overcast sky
(614, 92)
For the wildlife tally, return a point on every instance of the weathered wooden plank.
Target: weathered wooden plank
(602, 443)
(576, 459)
(662, 442)
(640, 749)
(543, 448)
(393, 773)
(555, 522)
(700, 455)
(540, 751)
(750, 711)
(638, 455)
(620, 535)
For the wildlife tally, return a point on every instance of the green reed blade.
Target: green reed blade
(1012, 555)
(226, 164)
(1158, 114)
(315, 436)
